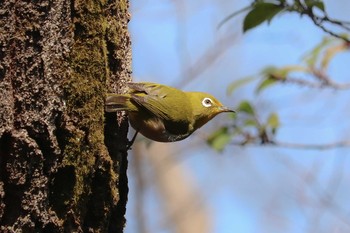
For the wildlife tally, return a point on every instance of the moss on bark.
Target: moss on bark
(62, 160)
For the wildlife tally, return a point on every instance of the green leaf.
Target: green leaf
(238, 83)
(315, 3)
(250, 122)
(331, 52)
(272, 72)
(269, 69)
(273, 122)
(312, 57)
(272, 75)
(320, 5)
(261, 12)
(264, 84)
(231, 115)
(282, 73)
(230, 16)
(219, 139)
(246, 107)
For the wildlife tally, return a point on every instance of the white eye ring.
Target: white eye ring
(207, 102)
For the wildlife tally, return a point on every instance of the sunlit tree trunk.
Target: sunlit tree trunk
(62, 158)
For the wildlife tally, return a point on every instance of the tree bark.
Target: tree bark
(62, 158)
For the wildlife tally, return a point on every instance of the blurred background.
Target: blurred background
(300, 184)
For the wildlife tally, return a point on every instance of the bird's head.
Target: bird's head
(205, 107)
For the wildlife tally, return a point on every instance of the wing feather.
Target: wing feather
(164, 102)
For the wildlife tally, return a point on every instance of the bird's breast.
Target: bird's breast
(157, 129)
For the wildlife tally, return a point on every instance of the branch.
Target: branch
(318, 22)
(329, 83)
(299, 146)
(325, 146)
(324, 81)
(342, 24)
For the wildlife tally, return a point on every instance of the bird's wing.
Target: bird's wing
(148, 88)
(116, 102)
(169, 104)
(164, 102)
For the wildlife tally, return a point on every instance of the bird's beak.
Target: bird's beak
(225, 109)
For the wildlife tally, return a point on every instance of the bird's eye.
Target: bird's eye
(207, 102)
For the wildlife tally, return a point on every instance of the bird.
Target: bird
(163, 113)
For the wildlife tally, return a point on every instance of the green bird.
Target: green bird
(163, 113)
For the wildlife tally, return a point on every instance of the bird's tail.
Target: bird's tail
(115, 102)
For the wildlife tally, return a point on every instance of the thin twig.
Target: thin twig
(329, 83)
(299, 146)
(325, 146)
(230, 16)
(318, 21)
(320, 25)
(341, 24)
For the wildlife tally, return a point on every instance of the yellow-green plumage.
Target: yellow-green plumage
(164, 113)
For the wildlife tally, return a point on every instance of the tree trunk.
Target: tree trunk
(62, 158)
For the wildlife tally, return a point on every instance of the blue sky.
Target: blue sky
(255, 188)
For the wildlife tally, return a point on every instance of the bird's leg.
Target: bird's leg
(131, 142)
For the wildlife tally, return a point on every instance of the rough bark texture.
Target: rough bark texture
(62, 159)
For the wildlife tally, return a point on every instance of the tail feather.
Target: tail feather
(116, 102)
